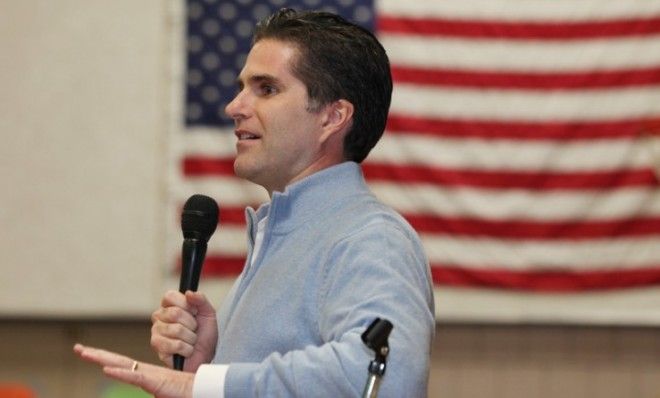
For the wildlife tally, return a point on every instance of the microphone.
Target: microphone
(198, 222)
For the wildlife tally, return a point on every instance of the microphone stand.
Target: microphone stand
(375, 337)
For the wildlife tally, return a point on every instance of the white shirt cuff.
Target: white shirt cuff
(210, 381)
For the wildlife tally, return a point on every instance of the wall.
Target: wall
(468, 361)
(82, 156)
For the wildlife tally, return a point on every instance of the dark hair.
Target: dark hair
(338, 60)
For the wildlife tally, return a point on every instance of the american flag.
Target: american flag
(523, 140)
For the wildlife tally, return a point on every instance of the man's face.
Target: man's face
(278, 138)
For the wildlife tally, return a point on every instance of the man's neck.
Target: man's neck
(320, 164)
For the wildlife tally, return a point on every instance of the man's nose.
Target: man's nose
(236, 108)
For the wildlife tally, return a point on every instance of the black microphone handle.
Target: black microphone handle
(178, 361)
(192, 259)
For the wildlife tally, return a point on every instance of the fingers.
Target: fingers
(124, 375)
(174, 331)
(174, 327)
(102, 357)
(166, 346)
(168, 339)
(175, 309)
(143, 377)
(201, 303)
(173, 298)
(112, 363)
(179, 308)
(174, 316)
(185, 324)
(157, 380)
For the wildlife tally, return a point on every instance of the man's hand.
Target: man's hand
(156, 380)
(184, 325)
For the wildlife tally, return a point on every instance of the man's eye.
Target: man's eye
(267, 89)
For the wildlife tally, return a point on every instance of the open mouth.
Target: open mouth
(244, 135)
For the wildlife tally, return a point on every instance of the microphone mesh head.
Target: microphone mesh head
(199, 218)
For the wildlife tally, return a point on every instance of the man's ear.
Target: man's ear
(338, 119)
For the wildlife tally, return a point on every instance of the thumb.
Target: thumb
(201, 303)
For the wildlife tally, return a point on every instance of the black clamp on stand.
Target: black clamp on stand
(375, 337)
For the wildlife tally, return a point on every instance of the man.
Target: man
(325, 257)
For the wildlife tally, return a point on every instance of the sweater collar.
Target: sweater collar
(311, 197)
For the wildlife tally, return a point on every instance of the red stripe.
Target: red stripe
(508, 179)
(204, 166)
(564, 30)
(503, 80)
(548, 281)
(578, 130)
(232, 215)
(229, 215)
(572, 230)
(223, 266)
(207, 166)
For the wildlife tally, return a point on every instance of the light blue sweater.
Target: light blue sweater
(333, 259)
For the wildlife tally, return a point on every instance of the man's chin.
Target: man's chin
(245, 170)
(239, 169)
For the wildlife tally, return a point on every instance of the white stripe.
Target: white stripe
(514, 155)
(228, 191)
(493, 204)
(528, 255)
(228, 240)
(637, 306)
(512, 10)
(592, 254)
(514, 204)
(523, 55)
(521, 105)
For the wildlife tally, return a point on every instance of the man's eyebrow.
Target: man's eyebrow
(264, 78)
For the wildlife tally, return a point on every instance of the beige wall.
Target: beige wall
(545, 362)
(468, 361)
(82, 99)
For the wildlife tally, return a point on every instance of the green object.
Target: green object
(117, 390)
